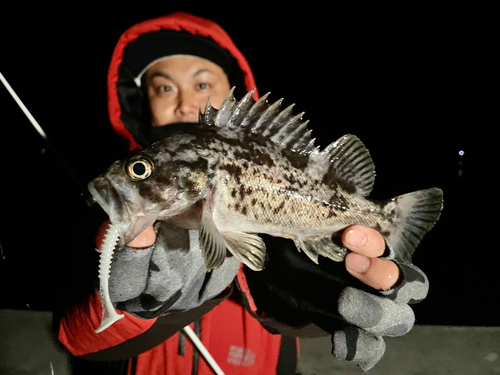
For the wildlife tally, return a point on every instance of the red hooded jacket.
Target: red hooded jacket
(175, 22)
(229, 327)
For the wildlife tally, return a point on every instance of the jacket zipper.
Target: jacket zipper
(196, 355)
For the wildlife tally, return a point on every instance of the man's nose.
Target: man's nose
(187, 107)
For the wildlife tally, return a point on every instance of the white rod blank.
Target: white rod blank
(201, 348)
(23, 107)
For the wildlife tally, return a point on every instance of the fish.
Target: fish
(251, 168)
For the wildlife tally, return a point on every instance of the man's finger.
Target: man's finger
(363, 240)
(375, 314)
(355, 345)
(381, 274)
(144, 240)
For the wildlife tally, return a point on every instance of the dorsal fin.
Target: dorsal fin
(349, 163)
(345, 161)
(260, 119)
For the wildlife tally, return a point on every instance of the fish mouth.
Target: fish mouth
(132, 220)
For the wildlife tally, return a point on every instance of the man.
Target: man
(162, 72)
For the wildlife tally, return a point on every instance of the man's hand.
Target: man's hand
(363, 263)
(144, 240)
(372, 316)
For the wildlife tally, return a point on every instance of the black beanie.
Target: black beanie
(149, 48)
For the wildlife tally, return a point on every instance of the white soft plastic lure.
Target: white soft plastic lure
(109, 314)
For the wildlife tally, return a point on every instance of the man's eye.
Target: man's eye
(165, 88)
(203, 86)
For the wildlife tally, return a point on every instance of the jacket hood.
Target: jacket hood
(126, 99)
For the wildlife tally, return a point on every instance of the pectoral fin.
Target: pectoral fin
(247, 248)
(212, 244)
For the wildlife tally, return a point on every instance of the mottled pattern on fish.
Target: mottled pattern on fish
(253, 168)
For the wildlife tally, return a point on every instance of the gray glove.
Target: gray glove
(370, 317)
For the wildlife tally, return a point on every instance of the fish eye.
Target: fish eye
(139, 169)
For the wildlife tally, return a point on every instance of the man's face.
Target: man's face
(179, 86)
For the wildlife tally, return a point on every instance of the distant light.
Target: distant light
(42, 151)
(460, 173)
(461, 152)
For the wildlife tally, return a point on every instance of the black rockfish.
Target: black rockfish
(251, 168)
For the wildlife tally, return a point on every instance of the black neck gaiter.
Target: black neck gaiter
(157, 133)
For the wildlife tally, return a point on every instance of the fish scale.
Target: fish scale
(250, 168)
(283, 205)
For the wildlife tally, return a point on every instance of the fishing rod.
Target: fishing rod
(84, 193)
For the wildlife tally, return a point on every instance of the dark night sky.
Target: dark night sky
(415, 89)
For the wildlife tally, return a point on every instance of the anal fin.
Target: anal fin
(324, 246)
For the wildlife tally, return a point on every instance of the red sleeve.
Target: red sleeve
(77, 329)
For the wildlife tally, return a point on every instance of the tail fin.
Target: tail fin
(413, 215)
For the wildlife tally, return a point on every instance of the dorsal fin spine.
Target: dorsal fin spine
(267, 117)
(303, 143)
(284, 132)
(207, 117)
(242, 109)
(226, 110)
(303, 137)
(310, 146)
(279, 122)
(292, 138)
(255, 110)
